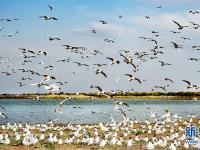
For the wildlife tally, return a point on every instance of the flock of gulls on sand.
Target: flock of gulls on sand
(164, 132)
(157, 132)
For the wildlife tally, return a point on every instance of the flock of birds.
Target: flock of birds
(165, 130)
(132, 58)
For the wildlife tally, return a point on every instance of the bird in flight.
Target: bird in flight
(50, 7)
(48, 77)
(123, 112)
(93, 31)
(164, 63)
(193, 12)
(189, 84)
(21, 84)
(147, 17)
(48, 18)
(128, 60)
(113, 61)
(176, 45)
(3, 115)
(131, 77)
(54, 38)
(103, 22)
(109, 41)
(80, 64)
(11, 34)
(2, 107)
(159, 6)
(9, 19)
(100, 91)
(122, 103)
(180, 27)
(97, 87)
(160, 87)
(52, 87)
(167, 79)
(174, 32)
(98, 71)
(185, 38)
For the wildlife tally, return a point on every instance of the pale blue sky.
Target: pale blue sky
(76, 19)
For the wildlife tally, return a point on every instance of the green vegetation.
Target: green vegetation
(120, 95)
(138, 132)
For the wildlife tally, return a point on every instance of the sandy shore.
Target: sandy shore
(129, 96)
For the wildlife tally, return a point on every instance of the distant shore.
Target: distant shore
(127, 95)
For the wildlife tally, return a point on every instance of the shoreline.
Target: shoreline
(94, 96)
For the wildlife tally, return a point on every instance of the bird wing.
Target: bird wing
(177, 24)
(138, 80)
(50, 7)
(169, 80)
(85, 65)
(99, 88)
(78, 63)
(161, 62)
(155, 41)
(42, 16)
(110, 58)
(164, 88)
(101, 21)
(127, 60)
(104, 74)
(3, 107)
(30, 51)
(128, 75)
(175, 44)
(54, 18)
(106, 95)
(134, 65)
(188, 82)
(4, 115)
(53, 78)
(123, 55)
(123, 112)
(125, 104)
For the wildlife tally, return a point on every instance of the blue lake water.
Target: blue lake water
(81, 111)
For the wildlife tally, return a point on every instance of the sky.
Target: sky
(75, 20)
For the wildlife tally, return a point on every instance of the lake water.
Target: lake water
(81, 111)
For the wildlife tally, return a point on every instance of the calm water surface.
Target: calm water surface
(90, 111)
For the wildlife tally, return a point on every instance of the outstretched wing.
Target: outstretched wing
(177, 24)
(186, 82)
(138, 80)
(129, 75)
